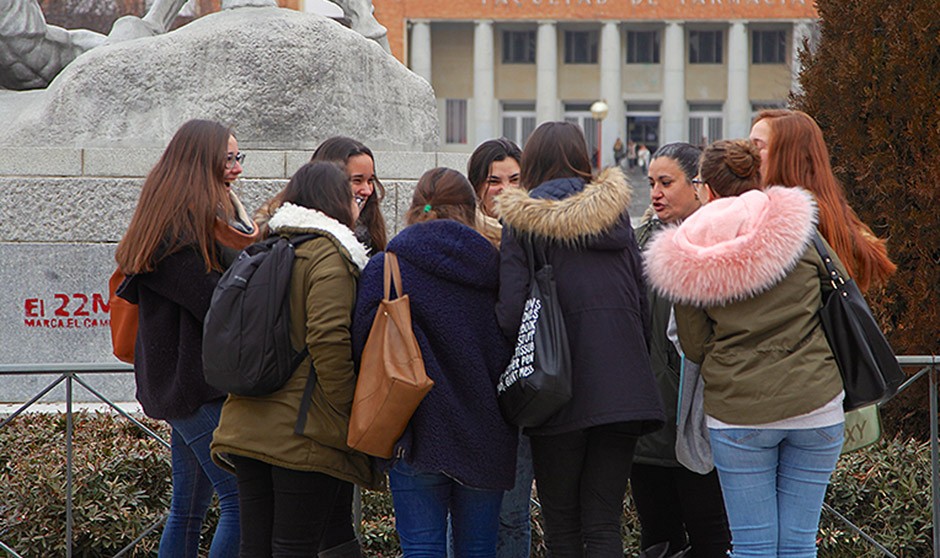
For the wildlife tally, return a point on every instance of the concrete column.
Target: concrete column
(801, 30)
(420, 49)
(484, 89)
(546, 81)
(738, 104)
(674, 108)
(611, 67)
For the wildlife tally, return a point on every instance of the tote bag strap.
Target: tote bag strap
(392, 275)
(834, 276)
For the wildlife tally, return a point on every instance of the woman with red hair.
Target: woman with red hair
(794, 154)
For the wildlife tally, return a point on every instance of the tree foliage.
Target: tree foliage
(873, 84)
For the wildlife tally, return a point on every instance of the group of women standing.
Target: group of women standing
(460, 475)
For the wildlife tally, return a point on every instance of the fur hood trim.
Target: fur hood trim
(294, 219)
(733, 248)
(588, 213)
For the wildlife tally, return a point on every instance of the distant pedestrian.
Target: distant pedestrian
(619, 151)
(643, 158)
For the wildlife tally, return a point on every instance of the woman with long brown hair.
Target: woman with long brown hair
(366, 187)
(188, 225)
(793, 153)
(583, 454)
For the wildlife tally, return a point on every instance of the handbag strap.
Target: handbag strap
(536, 255)
(392, 275)
(835, 278)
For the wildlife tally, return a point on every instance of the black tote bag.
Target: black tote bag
(870, 371)
(537, 382)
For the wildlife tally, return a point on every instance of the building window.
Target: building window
(518, 47)
(581, 47)
(705, 47)
(642, 47)
(455, 120)
(518, 122)
(706, 123)
(768, 47)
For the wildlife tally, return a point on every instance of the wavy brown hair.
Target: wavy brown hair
(180, 200)
(443, 193)
(797, 156)
(731, 167)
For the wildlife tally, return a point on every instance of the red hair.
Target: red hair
(797, 156)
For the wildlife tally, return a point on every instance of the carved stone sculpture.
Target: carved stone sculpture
(32, 52)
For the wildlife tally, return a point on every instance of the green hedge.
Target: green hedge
(122, 485)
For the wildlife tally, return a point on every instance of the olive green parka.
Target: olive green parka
(322, 297)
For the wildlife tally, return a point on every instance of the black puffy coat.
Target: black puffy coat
(599, 276)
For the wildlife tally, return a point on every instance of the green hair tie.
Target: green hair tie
(427, 208)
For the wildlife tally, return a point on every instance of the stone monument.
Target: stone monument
(73, 155)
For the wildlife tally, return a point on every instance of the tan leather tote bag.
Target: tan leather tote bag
(392, 381)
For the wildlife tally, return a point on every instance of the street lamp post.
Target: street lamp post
(599, 112)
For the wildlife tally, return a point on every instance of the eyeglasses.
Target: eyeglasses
(232, 158)
(697, 182)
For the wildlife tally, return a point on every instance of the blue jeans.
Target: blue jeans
(515, 527)
(774, 482)
(422, 502)
(195, 478)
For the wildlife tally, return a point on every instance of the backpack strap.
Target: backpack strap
(305, 401)
(296, 241)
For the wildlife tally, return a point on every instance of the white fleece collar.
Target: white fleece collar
(290, 218)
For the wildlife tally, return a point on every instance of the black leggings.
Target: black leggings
(582, 480)
(673, 501)
(287, 513)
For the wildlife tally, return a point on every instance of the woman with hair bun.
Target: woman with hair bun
(748, 285)
(457, 454)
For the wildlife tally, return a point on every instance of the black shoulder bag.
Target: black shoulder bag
(537, 382)
(870, 371)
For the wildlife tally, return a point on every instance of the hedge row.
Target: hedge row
(122, 485)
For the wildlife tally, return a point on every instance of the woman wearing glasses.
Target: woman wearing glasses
(748, 282)
(187, 228)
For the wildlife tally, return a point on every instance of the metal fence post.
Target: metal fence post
(934, 461)
(69, 425)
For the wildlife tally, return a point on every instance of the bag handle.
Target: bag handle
(835, 278)
(392, 275)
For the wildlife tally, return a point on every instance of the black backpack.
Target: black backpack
(246, 347)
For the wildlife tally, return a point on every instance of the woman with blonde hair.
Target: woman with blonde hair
(187, 228)
(748, 284)
(794, 153)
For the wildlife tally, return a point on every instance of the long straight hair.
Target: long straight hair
(180, 200)
(443, 193)
(797, 156)
(554, 150)
(339, 149)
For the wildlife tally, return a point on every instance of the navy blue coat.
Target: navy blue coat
(599, 277)
(450, 273)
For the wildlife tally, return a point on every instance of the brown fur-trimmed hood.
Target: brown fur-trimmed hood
(567, 210)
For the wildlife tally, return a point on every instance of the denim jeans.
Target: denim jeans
(774, 482)
(582, 480)
(422, 502)
(515, 527)
(195, 478)
(291, 513)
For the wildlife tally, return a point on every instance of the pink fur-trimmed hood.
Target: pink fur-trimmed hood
(732, 248)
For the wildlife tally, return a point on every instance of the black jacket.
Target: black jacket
(599, 276)
(172, 302)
